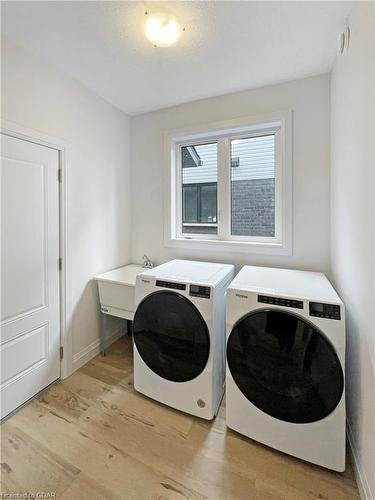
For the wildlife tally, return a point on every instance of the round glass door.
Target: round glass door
(285, 366)
(171, 336)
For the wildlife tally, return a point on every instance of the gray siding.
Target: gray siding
(256, 158)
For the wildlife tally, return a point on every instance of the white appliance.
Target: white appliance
(179, 335)
(285, 363)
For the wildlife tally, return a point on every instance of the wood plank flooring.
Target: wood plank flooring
(93, 437)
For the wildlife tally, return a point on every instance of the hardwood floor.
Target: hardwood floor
(93, 437)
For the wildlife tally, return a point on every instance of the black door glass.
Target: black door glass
(285, 366)
(171, 336)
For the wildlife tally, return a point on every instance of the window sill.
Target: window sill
(226, 246)
(200, 224)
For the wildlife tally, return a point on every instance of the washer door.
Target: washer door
(285, 366)
(171, 336)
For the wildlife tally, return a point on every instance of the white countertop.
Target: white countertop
(285, 282)
(125, 275)
(190, 271)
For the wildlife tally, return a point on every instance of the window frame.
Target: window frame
(280, 124)
(179, 198)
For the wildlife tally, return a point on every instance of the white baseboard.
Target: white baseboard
(90, 351)
(360, 474)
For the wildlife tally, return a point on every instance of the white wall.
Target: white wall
(310, 101)
(98, 176)
(352, 236)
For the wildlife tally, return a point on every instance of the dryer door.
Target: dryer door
(171, 336)
(285, 366)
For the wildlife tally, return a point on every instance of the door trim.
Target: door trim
(18, 131)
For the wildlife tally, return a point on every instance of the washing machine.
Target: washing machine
(179, 335)
(285, 363)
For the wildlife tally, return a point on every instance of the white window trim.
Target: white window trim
(281, 244)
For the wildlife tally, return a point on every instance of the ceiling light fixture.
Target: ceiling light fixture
(161, 28)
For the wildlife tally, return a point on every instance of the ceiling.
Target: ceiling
(226, 46)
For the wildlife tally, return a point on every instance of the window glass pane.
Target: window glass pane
(253, 186)
(208, 201)
(190, 203)
(199, 189)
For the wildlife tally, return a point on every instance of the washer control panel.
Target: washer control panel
(329, 311)
(170, 284)
(278, 301)
(200, 291)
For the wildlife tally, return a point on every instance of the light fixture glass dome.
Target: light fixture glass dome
(161, 28)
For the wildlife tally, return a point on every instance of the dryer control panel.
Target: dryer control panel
(329, 311)
(171, 284)
(278, 301)
(200, 291)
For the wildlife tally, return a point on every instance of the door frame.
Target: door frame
(18, 131)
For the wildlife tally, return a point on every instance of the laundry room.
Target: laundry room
(187, 250)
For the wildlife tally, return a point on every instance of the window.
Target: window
(199, 189)
(199, 208)
(230, 186)
(253, 186)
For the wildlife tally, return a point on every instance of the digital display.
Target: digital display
(317, 307)
(320, 310)
(200, 291)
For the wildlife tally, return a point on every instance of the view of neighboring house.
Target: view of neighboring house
(252, 187)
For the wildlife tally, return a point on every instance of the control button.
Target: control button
(280, 301)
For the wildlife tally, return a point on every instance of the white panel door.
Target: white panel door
(30, 326)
